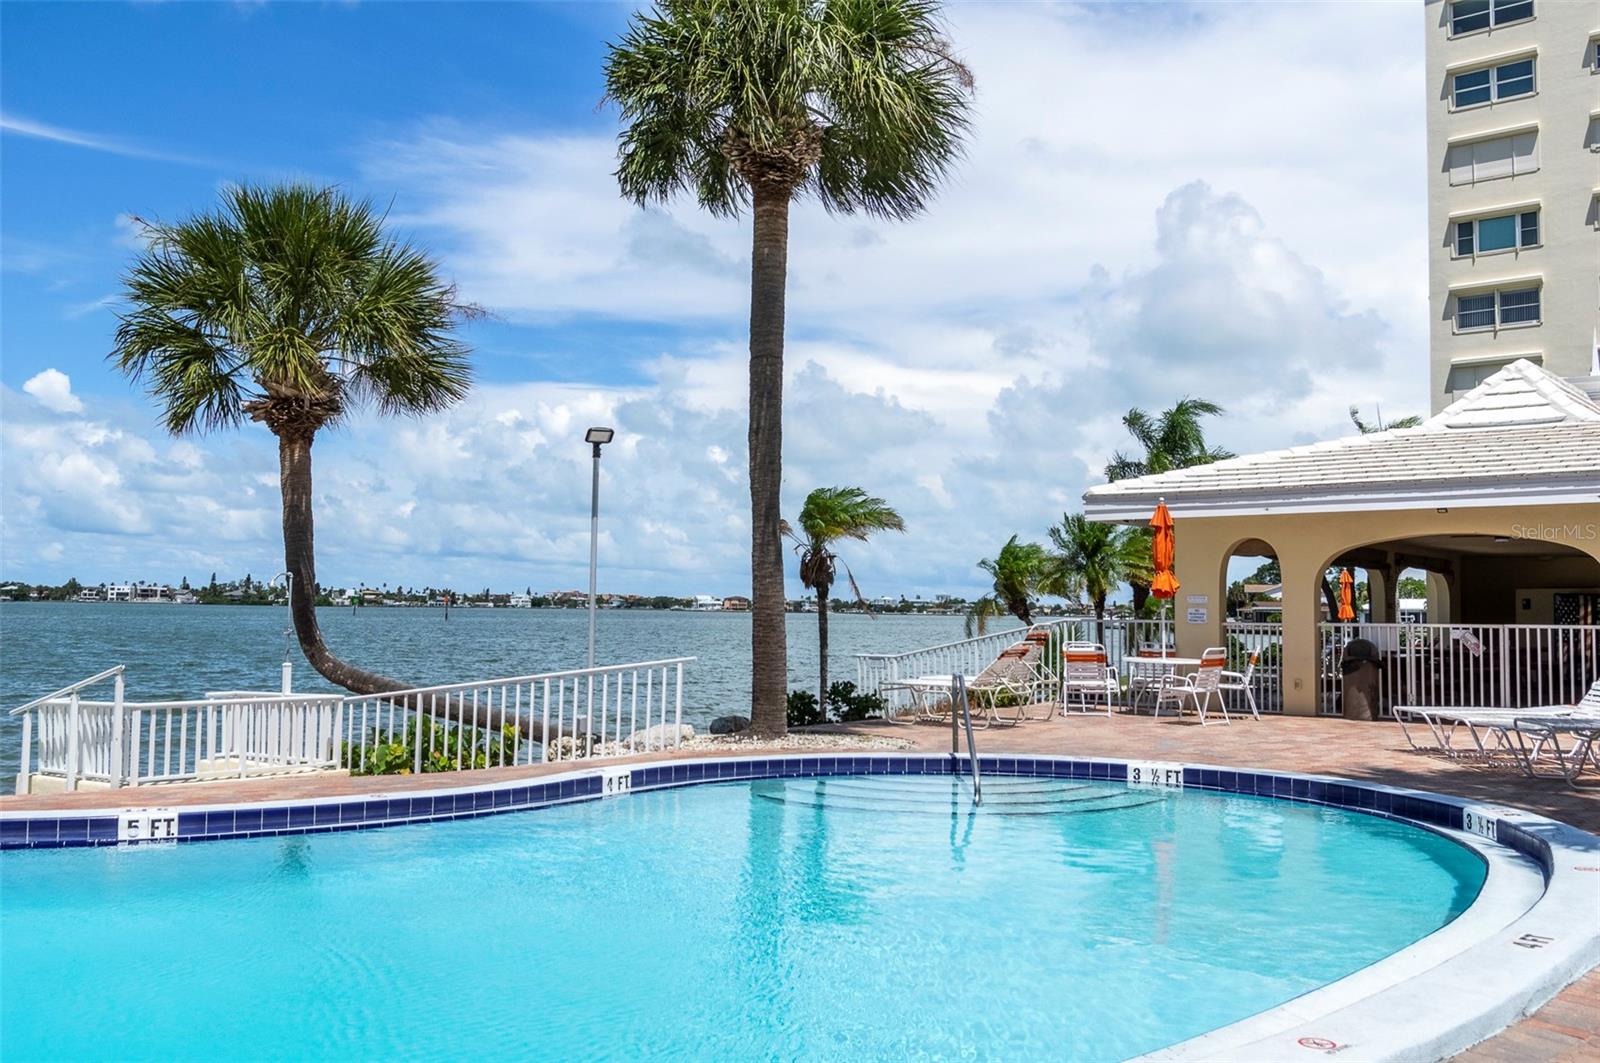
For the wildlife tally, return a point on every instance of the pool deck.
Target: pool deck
(1566, 1030)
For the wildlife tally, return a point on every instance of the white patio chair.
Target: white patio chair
(1241, 682)
(1491, 729)
(1084, 671)
(1197, 690)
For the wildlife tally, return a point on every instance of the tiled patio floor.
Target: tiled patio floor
(1566, 1030)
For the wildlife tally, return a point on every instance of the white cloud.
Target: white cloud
(53, 390)
(1222, 203)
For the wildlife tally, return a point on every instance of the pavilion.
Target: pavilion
(1496, 498)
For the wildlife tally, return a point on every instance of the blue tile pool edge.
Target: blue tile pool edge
(63, 828)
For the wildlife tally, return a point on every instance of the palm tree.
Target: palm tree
(752, 103)
(289, 306)
(1018, 570)
(1096, 559)
(1368, 428)
(829, 515)
(1175, 439)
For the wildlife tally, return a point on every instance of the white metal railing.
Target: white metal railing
(1513, 666)
(576, 714)
(1123, 638)
(68, 740)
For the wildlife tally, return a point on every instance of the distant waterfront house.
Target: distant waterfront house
(1496, 498)
(119, 592)
(736, 603)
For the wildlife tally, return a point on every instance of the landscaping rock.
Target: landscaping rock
(729, 725)
(660, 736)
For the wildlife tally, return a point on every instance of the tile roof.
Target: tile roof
(1522, 435)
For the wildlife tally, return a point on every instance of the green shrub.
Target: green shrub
(477, 748)
(847, 706)
(803, 709)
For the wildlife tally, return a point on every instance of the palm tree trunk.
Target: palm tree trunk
(1141, 594)
(1100, 619)
(768, 274)
(822, 646)
(299, 556)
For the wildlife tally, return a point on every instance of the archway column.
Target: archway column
(1201, 606)
(1302, 618)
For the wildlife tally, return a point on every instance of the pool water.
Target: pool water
(844, 918)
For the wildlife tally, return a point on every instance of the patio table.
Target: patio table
(922, 688)
(1155, 670)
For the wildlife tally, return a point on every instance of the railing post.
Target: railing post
(677, 712)
(72, 743)
(119, 764)
(25, 775)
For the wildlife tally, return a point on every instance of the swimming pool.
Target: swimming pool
(854, 917)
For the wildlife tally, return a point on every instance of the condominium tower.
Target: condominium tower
(1513, 181)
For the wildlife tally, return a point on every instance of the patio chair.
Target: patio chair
(1241, 682)
(1197, 690)
(1012, 677)
(1142, 681)
(1534, 736)
(1084, 671)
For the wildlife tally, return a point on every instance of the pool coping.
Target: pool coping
(1429, 1000)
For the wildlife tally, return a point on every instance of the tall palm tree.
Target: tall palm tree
(753, 103)
(1018, 570)
(1368, 427)
(289, 306)
(829, 515)
(1173, 439)
(1095, 558)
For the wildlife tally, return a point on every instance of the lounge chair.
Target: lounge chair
(1533, 736)
(1084, 671)
(1240, 681)
(1012, 677)
(1197, 690)
(1491, 729)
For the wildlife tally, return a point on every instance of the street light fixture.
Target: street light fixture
(597, 438)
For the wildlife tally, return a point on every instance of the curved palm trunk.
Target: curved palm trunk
(822, 646)
(299, 558)
(768, 273)
(1100, 619)
(299, 555)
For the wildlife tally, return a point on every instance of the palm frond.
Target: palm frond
(288, 294)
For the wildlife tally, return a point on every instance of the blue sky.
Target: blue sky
(1135, 221)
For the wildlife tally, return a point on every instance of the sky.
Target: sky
(1158, 200)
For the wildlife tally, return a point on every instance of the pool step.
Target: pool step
(1001, 797)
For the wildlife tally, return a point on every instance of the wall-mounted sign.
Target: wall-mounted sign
(1198, 599)
(1197, 614)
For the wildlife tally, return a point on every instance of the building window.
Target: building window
(1469, 15)
(1514, 306)
(1502, 232)
(1484, 160)
(1503, 82)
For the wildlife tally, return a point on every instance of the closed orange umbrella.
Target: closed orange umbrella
(1164, 584)
(1347, 608)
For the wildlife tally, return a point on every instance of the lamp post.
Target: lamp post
(597, 438)
(288, 632)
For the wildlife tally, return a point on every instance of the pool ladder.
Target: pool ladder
(958, 697)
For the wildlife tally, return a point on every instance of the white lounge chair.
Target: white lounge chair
(1534, 736)
(1240, 681)
(1491, 729)
(1197, 690)
(1084, 671)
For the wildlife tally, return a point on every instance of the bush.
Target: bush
(844, 705)
(477, 748)
(847, 706)
(803, 709)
